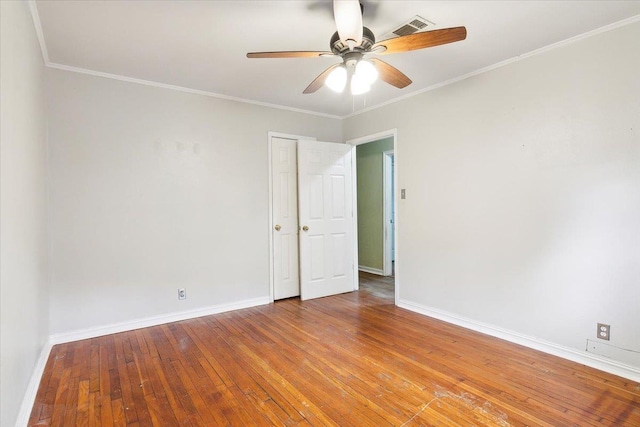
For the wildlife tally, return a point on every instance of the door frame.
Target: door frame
(271, 135)
(387, 205)
(370, 138)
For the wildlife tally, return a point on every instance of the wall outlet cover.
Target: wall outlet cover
(604, 331)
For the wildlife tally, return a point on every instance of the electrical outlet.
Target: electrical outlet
(182, 293)
(604, 331)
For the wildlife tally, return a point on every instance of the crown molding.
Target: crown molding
(45, 54)
(38, 27)
(185, 89)
(47, 62)
(500, 64)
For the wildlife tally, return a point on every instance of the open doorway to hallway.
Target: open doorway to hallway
(376, 216)
(378, 286)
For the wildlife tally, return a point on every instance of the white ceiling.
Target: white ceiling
(201, 45)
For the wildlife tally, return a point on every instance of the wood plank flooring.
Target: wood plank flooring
(348, 360)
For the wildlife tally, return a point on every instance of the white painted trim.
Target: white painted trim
(500, 64)
(387, 179)
(32, 388)
(371, 270)
(589, 359)
(45, 54)
(29, 398)
(146, 322)
(375, 137)
(35, 16)
(354, 217)
(396, 215)
(271, 225)
(270, 136)
(185, 89)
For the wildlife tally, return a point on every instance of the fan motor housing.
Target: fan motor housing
(339, 48)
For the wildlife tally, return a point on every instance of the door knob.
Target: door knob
(277, 227)
(305, 228)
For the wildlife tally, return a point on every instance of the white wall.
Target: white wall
(523, 189)
(23, 232)
(155, 190)
(523, 193)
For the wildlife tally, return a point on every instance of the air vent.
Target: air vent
(415, 24)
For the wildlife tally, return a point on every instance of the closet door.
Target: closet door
(286, 278)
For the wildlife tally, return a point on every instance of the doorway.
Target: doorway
(376, 159)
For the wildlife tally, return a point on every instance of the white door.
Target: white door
(286, 278)
(325, 190)
(388, 217)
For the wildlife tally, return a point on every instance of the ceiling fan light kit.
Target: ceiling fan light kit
(366, 71)
(337, 79)
(362, 74)
(353, 42)
(359, 86)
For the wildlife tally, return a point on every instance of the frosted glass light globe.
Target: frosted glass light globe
(359, 85)
(366, 71)
(337, 79)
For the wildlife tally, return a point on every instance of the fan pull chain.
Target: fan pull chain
(353, 102)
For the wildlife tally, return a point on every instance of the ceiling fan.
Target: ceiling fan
(354, 43)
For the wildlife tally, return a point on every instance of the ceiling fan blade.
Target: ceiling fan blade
(421, 40)
(391, 74)
(319, 81)
(288, 54)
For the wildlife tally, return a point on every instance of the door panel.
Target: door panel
(286, 276)
(325, 190)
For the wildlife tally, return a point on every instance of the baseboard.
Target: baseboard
(371, 270)
(83, 334)
(32, 388)
(588, 359)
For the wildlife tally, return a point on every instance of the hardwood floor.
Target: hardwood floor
(349, 360)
